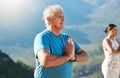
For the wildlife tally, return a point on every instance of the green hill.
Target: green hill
(11, 69)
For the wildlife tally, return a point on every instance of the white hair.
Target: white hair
(49, 12)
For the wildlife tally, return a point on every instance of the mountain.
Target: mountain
(11, 69)
(92, 68)
(78, 36)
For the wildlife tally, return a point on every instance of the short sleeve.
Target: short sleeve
(77, 47)
(41, 42)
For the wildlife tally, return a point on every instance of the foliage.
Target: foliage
(10, 69)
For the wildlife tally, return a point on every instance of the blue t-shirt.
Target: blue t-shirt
(55, 44)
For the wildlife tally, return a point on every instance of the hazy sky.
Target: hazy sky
(21, 20)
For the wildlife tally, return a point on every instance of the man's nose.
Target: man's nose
(62, 19)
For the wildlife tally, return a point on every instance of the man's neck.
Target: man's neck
(55, 32)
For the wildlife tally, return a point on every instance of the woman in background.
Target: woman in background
(111, 47)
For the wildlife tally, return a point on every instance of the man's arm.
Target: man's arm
(47, 59)
(81, 56)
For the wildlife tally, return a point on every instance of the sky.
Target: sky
(21, 20)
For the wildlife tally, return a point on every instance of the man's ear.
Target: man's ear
(49, 19)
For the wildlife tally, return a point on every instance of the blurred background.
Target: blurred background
(85, 21)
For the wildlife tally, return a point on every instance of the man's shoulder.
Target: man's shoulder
(64, 34)
(43, 34)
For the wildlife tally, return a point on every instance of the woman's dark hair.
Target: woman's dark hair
(109, 27)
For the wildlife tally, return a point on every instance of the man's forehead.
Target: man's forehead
(59, 12)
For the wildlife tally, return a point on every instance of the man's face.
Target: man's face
(57, 22)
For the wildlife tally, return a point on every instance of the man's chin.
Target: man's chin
(62, 27)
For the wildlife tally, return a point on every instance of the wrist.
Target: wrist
(73, 60)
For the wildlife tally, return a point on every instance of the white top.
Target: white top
(112, 61)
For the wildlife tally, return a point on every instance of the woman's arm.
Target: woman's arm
(119, 45)
(107, 45)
